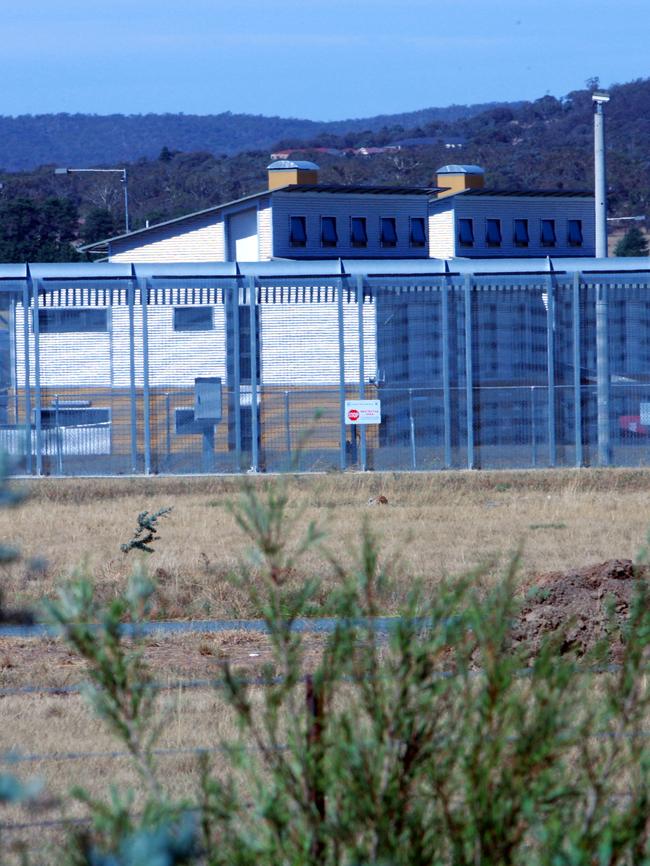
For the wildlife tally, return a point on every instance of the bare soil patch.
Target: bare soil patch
(587, 605)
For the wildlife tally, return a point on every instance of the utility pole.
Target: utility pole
(600, 98)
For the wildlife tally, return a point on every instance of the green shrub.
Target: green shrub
(433, 745)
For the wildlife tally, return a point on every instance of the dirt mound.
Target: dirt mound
(576, 604)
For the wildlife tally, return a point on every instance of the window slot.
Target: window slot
(53, 320)
(358, 232)
(418, 235)
(466, 232)
(193, 319)
(548, 233)
(298, 231)
(521, 237)
(328, 234)
(493, 232)
(388, 232)
(574, 233)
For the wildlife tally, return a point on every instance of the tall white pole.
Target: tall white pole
(602, 301)
(600, 180)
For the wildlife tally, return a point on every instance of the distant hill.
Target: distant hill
(83, 140)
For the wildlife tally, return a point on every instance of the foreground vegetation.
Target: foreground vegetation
(446, 743)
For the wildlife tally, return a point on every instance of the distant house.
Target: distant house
(298, 218)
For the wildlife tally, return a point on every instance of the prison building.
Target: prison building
(297, 218)
(483, 223)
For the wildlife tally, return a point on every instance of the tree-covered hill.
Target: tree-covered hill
(81, 140)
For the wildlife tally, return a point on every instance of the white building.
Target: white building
(298, 218)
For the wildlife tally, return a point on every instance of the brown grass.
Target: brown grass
(432, 525)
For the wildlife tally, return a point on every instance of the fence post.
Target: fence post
(533, 427)
(316, 792)
(414, 461)
(28, 384)
(59, 437)
(602, 374)
(469, 373)
(132, 382)
(37, 378)
(144, 302)
(550, 369)
(252, 300)
(577, 391)
(362, 364)
(236, 359)
(446, 378)
(14, 354)
(342, 454)
(287, 423)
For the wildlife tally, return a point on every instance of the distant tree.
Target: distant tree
(165, 155)
(633, 243)
(37, 231)
(99, 224)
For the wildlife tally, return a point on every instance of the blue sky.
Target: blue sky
(321, 59)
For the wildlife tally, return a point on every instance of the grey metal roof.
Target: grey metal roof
(284, 164)
(460, 169)
(361, 190)
(531, 193)
(331, 267)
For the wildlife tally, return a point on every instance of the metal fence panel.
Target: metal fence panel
(224, 373)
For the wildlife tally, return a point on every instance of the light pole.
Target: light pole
(124, 182)
(600, 97)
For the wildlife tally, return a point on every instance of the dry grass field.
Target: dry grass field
(433, 525)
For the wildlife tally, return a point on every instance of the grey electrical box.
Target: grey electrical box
(207, 398)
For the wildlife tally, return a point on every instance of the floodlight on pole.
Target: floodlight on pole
(124, 181)
(600, 98)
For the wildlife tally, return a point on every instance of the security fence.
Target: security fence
(112, 369)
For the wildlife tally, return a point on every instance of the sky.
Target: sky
(317, 59)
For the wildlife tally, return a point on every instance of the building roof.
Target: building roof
(286, 164)
(531, 193)
(460, 169)
(360, 190)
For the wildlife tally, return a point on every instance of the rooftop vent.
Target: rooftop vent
(290, 172)
(458, 178)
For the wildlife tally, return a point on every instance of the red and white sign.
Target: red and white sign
(363, 412)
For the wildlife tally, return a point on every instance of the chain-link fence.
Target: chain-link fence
(112, 369)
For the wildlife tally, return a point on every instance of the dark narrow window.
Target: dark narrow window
(574, 233)
(388, 232)
(418, 235)
(358, 233)
(298, 231)
(193, 319)
(71, 321)
(328, 234)
(548, 233)
(245, 367)
(466, 232)
(493, 232)
(520, 233)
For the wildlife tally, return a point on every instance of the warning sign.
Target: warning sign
(363, 412)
